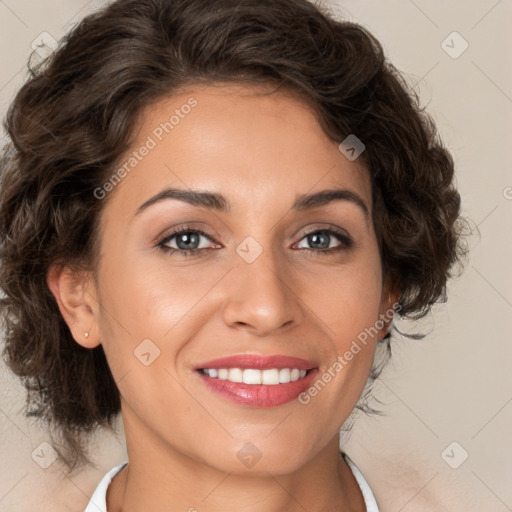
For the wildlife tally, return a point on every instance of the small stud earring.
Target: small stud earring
(86, 334)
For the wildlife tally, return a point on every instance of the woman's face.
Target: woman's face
(278, 271)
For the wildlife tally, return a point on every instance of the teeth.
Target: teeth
(253, 376)
(270, 377)
(284, 375)
(235, 375)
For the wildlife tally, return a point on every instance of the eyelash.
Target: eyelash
(342, 237)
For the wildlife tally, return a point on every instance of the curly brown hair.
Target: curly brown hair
(73, 120)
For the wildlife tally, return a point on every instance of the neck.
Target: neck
(160, 477)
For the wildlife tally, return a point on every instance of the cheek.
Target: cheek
(145, 294)
(157, 302)
(346, 299)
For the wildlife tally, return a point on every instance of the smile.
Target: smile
(253, 376)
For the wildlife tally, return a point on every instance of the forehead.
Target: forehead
(255, 145)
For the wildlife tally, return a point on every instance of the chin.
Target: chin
(260, 457)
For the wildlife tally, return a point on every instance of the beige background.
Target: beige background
(455, 385)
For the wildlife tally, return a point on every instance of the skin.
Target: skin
(260, 152)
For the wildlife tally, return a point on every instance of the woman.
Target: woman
(210, 214)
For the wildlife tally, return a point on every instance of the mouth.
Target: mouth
(258, 381)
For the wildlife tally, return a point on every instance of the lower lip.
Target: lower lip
(259, 395)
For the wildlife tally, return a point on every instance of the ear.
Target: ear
(76, 297)
(389, 306)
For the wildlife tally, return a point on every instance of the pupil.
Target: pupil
(319, 240)
(186, 240)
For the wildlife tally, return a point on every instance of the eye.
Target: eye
(326, 240)
(185, 240)
(188, 241)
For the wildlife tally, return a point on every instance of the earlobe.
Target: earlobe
(76, 304)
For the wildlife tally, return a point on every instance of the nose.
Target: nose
(261, 297)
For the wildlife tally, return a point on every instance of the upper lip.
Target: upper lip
(260, 362)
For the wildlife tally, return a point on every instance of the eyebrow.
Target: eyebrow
(209, 200)
(216, 201)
